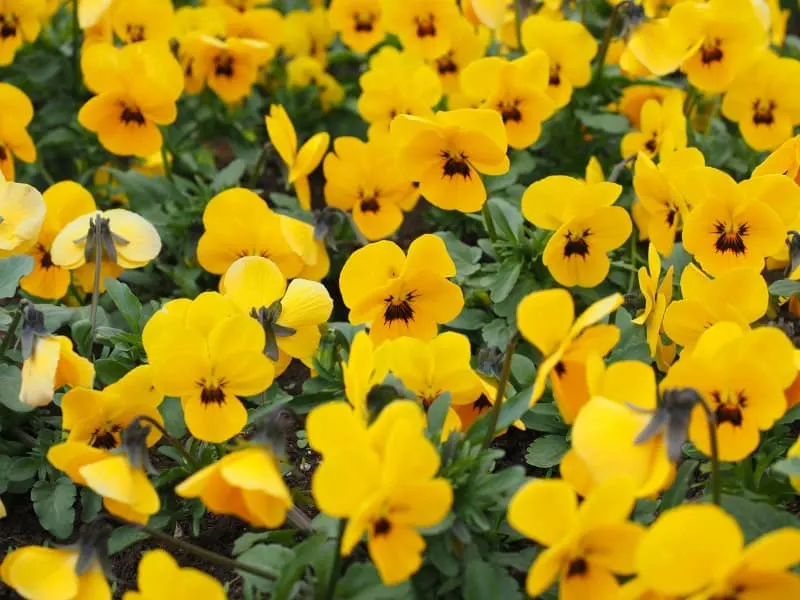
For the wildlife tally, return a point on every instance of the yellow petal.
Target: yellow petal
(281, 133)
(36, 572)
(253, 282)
(545, 318)
(140, 241)
(544, 510)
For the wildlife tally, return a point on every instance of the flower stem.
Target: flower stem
(208, 555)
(76, 50)
(337, 562)
(633, 256)
(520, 17)
(487, 219)
(171, 440)
(716, 485)
(604, 45)
(165, 160)
(261, 162)
(10, 336)
(494, 416)
(98, 262)
(616, 171)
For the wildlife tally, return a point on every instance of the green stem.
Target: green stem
(584, 4)
(716, 484)
(11, 333)
(261, 162)
(337, 562)
(171, 440)
(494, 416)
(689, 102)
(604, 45)
(23, 437)
(519, 18)
(487, 219)
(633, 256)
(165, 160)
(76, 50)
(98, 267)
(616, 171)
(207, 555)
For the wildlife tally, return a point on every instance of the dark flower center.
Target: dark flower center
(560, 369)
(762, 113)
(381, 527)
(555, 75)
(3, 153)
(364, 24)
(710, 51)
(223, 65)
(455, 165)
(131, 115)
(577, 567)
(510, 111)
(369, 203)
(482, 403)
(729, 412)
(135, 32)
(213, 395)
(445, 64)
(105, 438)
(399, 309)
(672, 213)
(577, 244)
(8, 26)
(426, 26)
(730, 240)
(46, 260)
(651, 145)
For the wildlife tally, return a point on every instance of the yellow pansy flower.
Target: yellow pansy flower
(633, 97)
(570, 48)
(246, 483)
(587, 227)
(191, 24)
(662, 193)
(137, 87)
(160, 577)
(305, 71)
(231, 65)
(728, 37)
(447, 153)
(143, 20)
(396, 83)
(361, 177)
(765, 110)
(730, 225)
(398, 295)
(20, 23)
(741, 376)
(594, 171)
(359, 22)
(662, 128)
(547, 320)
(312, 252)
(22, 212)
(127, 492)
(785, 160)
(16, 113)
(239, 223)
(291, 316)
(697, 550)
(466, 45)
(65, 201)
(605, 432)
(659, 46)
(50, 365)
(516, 89)
(424, 27)
(208, 361)
(91, 12)
(308, 34)
(738, 295)
(262, 24)
(23, 569)
(301, 163)
(657, 298)
(584, 545)
(382, 479)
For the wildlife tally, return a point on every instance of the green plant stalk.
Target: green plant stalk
(487, 219)
(208, 555)
(716, 484)
(633, 257)
(11, 333)
(337, 562)
(519, 17)
(171, 440)
(98, 264)
(494, 416)
(261, 162)
(604, 45)
(165, 160)
(76, 50)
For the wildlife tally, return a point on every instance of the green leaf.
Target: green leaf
(172, 411)
(608, 122)
(546, 452)
(506, 217)
(466, 258)
(513, 408)
(109, 370)
(23, 468)
(54, 504)
(757, 518)
(680, 487)
(91, 504)
(437, 413)
(546, 418)
(789, 466)
(10, 382)
(484, 580)
(272, 558)
(784, 287)
(122, 537)
(362, 582)
(633, 340)
(12, 269)
(470, 319)
(505, 279)
(126, 302)
(230, 176)
(304, 553)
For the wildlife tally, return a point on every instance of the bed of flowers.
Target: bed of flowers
(399, 299)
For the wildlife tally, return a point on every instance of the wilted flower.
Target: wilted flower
(290, 316)
(398, 295)
(301, 163)
(698, 550)
(547, 320)
(16, 113)
(587, 227)
(446, 154)
(161, 577)
(22, 212)
(583, 544)
(570, 48)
